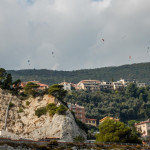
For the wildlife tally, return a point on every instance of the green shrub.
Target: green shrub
(79, 139)
(41, 111)
(27, 103)
(52, 112)
(51, 108)
(61, 110)
(11, 104)
(20, 110)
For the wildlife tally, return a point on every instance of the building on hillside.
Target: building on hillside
(117, 86)
(126, 82)
(67, 86)
(107, 117)
(89, 85)
(106, 85)
(91, 122)
(139, 85)
(79, 111)
(143, 127)
(41, 86)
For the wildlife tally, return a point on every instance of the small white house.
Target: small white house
(143, 127)
(67, 86)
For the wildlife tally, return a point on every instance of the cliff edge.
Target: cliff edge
(23, 122)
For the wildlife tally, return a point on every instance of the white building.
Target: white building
(139, 85)
(117, 85)
(143, 127)
(67, 86)
(106, 85)
(89, 85)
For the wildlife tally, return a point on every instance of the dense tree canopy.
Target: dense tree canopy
(140, 72)
(118, 104)
(131, 90)
(116, 131)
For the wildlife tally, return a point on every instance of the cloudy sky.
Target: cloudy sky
(73, 34)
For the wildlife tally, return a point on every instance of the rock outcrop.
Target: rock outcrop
(23, 121)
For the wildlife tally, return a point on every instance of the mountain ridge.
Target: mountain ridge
(138, 71)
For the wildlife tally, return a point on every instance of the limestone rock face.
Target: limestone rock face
(27, 125)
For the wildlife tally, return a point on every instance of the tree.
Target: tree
(7, 82)
(116, 131)
(5, 79)
(57, 91)
(2, 74)
(16, 87)
(30, 88)
(131, 124)
(131, 90)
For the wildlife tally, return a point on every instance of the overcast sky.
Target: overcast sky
(73, 34)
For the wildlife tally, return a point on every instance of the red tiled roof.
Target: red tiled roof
(85, 81)
(142, 123)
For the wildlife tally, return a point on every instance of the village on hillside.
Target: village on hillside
(95, 85)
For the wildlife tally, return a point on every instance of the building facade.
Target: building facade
(67, 86)
(143, 127)
(79, 111)
(89, 85)
(91, 122)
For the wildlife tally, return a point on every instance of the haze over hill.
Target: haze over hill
(140, 72)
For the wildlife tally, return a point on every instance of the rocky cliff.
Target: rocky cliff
(23, 121)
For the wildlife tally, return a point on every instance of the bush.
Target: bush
(79, 139)
(20, 110)
(52, 112)
(51, 108)
(61, 110)
(27, 103)
(41, 111)
(11, 104)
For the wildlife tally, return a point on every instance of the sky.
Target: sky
(73, 34)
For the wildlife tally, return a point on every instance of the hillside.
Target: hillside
(140, 72)
(23, 123)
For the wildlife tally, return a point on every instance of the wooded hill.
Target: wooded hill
(140, 72)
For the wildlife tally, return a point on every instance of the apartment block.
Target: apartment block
(79, 111)
(88, 85)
